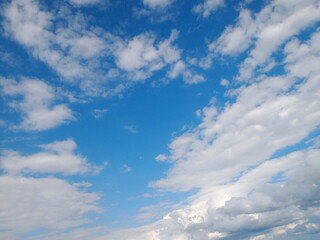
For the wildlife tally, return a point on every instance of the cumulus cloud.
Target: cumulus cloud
(189, 76)
(37, 106)
(56, 157)
(208, 7)
(140, 56)
(265, 31)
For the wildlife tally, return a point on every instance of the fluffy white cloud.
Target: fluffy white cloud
(208, 7)
(29, 204)
(56, 157)
(192, 77)
(189, 76)
(266, 31)
(141, 56)
(37, 105)
(177, 69)
(238, 38)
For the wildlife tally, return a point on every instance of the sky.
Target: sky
(159, 119)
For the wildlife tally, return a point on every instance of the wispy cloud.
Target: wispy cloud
(208, 7)
(99, 113)
(131, 129)
(125, 168)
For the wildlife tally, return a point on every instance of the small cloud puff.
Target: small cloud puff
(99, 113)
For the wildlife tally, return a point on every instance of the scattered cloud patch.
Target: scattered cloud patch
(155, 4)
(99, 113)
(224, 82)
(84, 2)
(177, 69)
(131, 129)
(37, 106)
(189, 76)
(125, 168)
(265, 31)
(141, 56)
(84, 54)
(206, 8)
(161, 158)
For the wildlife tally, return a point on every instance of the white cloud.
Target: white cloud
(233, 137)
(154, 4)
(303, 59)
(65, 49)
(84, 2)
(29, 204)
(125, 168)
(161, 158)
(246, 208)
(37, 105)
(99, 113)
(56, 157)
(177, 69)
(141, 56)
(224, 82)
(238, 38)
(208, 7)
(131, 129)
(266, 31)
(191, 77)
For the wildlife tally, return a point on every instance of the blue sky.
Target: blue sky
(159, 119)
